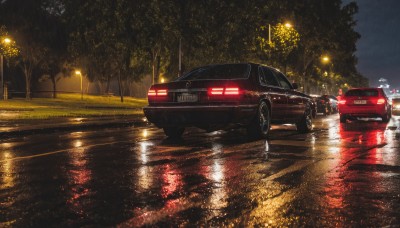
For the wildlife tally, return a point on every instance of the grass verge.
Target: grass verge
(70, 105)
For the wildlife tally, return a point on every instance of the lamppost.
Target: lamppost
(6, 41)
(325, 60)
(77, 72)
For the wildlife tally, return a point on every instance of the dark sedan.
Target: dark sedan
(223, 96)
(396, 106)
(327, 104)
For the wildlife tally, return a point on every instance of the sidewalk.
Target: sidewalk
(12, 128)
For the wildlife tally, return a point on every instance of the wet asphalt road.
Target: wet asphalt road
(338, 175)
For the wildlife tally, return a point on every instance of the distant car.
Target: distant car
(327, 104)
(396, 106)
(222, 96)
(364, 102)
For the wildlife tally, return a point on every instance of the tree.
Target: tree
(8, 48)
(29, 32)
(284, 40)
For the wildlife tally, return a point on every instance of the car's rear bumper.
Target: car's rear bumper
(363, 111)
(200, 116)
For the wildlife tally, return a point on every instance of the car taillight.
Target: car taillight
(151, 93)
(231, 91)
(157, 93)
(342, 102)
(380, 101)
(228, 91)
(216, 91)
(162, 92)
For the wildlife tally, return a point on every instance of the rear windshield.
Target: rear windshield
(363, 93)
(226, 71)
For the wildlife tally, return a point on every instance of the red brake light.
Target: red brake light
(342, 102)
(231, 91)
(157, 93)
(381, 101)
(216, 91)
(151, 93)
(162, 92)
(228, 91)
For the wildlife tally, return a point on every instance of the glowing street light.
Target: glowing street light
(288, 25)
(78, 72)
(325, 59)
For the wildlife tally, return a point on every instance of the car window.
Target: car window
(363, 93)
(283, 81)
(225, 71)
(267, 77)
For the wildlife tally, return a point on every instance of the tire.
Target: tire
(173, 132)
(305, 123)
(328, 110)
(343, 119)
(260, 126)
(386, 118)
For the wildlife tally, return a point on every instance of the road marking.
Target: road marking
(57, 152)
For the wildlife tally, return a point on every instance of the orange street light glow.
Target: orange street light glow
(7, 40)
(325, 59)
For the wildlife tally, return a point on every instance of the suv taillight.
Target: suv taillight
(342, 101)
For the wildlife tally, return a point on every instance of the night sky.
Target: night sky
(378, 50)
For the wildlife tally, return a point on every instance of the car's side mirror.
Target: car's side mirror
(295, 86)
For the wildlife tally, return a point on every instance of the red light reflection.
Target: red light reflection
(359, 149)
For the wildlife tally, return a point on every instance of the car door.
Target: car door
(276, 93)
(295, 103)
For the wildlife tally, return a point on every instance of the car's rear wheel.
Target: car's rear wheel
(343, 119)
(305, 123)
(386, 118)
(173, 132)
(328, 110)
(260, 126)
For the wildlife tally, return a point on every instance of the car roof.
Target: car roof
(366, 88)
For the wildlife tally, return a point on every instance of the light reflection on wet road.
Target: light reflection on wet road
(338, 175)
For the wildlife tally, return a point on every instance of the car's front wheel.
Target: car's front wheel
(173, 132)
(305, 123)
(260, 126)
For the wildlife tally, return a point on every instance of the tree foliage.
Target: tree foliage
(125, 40)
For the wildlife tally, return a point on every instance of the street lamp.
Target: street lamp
(6, 41)
(78, 72)
(325, 59)
(288, 25)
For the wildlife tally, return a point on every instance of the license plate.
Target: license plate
(187, 97)
(360, 102)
